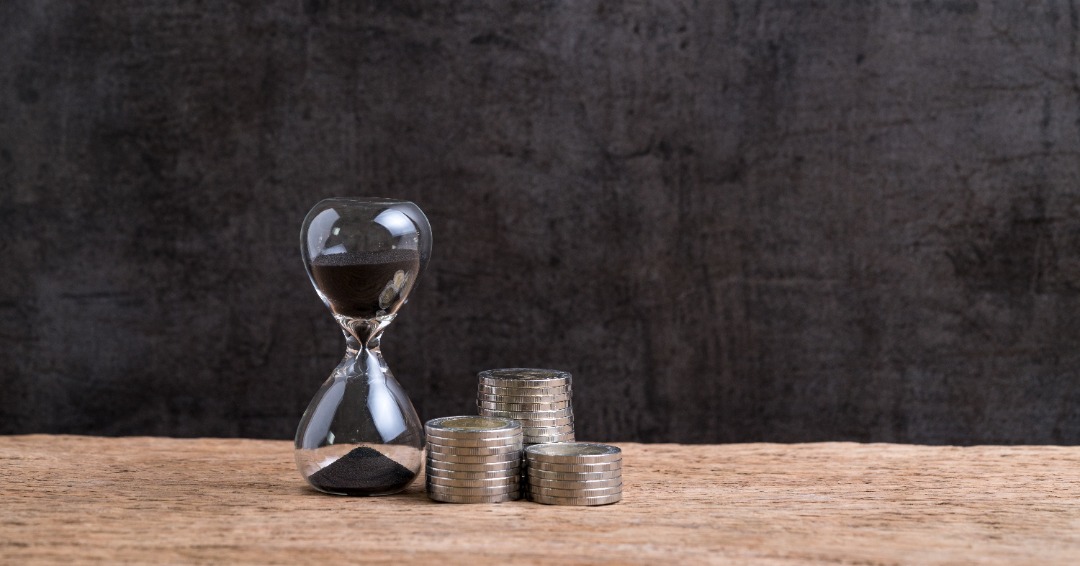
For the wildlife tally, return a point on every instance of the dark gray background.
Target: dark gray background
(732, 221)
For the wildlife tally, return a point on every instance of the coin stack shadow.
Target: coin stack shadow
(473, 459)
(573, 473)
(540, 399)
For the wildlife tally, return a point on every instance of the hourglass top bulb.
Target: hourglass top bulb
(365, 255)
(365, 284)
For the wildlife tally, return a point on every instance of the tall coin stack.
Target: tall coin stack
(473, 459)
(573, 473)
(540, 399)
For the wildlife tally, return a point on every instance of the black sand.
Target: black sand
(353, 282)
(364, 471)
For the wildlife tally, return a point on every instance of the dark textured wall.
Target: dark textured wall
(732, 221)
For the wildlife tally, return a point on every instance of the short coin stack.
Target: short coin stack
(473, 459)
(573, 473)
(540, 399)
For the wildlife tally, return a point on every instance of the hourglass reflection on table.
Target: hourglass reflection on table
(360, 434)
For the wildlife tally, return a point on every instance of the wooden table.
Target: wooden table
(80, 499)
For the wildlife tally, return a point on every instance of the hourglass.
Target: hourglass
(360, 434)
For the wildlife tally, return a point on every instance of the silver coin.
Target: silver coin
(525, 384)
(604, 500)
(553, 383)
(533, 424)
(596, 467)
(527, 415)
(546, 430)
(550, 440)
(524, 391)
(532, 440)
(470, 426)
(513, 465)
(473, 450)
(472, 475)
(446, 470)
(523, 399)
(574, 484)
(553, 426)
(524, 377)
(442, 453)
(552, 492)
(538, 421)
(568, 430)
(499, 406)
(542, 422)
(462, 482)
(513, 457)
(501, 466)
(465, 442)
(569, 437)
(572, 476)
(528, 443)
(574, 453)
(532, 395)
(443, 462)
(473, 441)
(508, 457)
(495, 490)
(445, 498)
(532, 415)
(574, 491)
(540, 430)
(547, 403)
(511, 482)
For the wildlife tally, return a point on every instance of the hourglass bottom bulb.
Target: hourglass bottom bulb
(364, 470)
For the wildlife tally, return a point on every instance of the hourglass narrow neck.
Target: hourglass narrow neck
(363, 333)
(361, 360)
(353, 347)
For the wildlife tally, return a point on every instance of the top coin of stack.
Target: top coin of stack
(540, 399)
(473, 459)
(573, 473)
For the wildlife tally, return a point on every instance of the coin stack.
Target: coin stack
(573, 473)
(540, 399)
(473, 459)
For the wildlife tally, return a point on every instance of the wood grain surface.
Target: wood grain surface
(86, 499)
